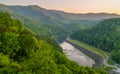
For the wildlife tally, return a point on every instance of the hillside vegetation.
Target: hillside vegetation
(52, 23)
(105, 35)
(88, 47)
(23, 53)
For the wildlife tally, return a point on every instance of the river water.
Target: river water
(76, 55)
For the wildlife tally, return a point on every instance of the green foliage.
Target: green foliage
(107, 68)
(111, 62)
(9, 43)
(56, 24)
(105, 35)
(23, 53)
(115, 56)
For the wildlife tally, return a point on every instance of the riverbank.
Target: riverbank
(97, 58)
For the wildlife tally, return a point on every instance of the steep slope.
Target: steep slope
(106, 36)
(37, 25)
(22, 53)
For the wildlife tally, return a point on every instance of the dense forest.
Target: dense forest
(22, 52)
(57, 24)
(105, 35)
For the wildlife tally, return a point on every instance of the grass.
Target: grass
(107, 68)
(89, 47)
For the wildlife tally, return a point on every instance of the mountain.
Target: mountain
(54, 23)
(34, 11)
(105, 35)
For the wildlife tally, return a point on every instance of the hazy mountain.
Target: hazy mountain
(43, 14)
(52, 22)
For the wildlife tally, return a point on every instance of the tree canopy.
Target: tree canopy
(105, 35)
(21, 52)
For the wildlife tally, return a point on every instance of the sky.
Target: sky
(72, 6)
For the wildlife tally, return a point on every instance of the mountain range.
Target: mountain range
(58, 24)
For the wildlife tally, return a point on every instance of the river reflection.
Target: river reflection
(76, 55)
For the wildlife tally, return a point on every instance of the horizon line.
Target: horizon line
(63, 10)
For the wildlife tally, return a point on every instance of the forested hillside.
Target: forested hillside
(23, 53)
(57, 24)
(105, 35)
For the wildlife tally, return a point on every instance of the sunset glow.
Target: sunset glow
(73, 6)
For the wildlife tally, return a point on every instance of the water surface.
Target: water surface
(76, 55)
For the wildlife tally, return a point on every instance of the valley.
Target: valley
(22, 52)
(36, 40)
(53, 23)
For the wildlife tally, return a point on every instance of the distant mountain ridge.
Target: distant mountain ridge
(64, 15)
(88, 16)
(52, 22)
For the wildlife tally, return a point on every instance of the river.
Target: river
(76, 55)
